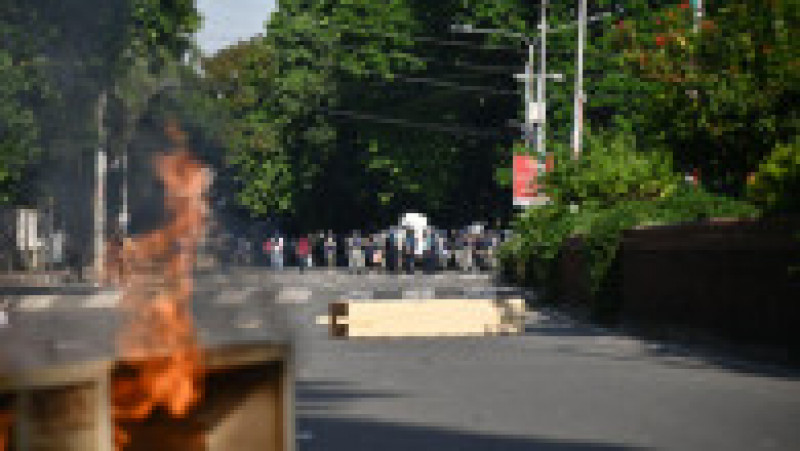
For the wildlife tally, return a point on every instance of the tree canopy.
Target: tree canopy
(56, 56)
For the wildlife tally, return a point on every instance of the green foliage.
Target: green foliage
(57, 56)
(161, 30)
(18, 128)
(776, 184)
(720, 99)
(723, 96)
(529, 257)
(612, 188)
(611, 171)
(360, 107)
(256, 134)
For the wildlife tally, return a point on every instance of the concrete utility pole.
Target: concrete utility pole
(577, 130)
(101, 163)
(531, 109)
(542, 90)
(698, 14)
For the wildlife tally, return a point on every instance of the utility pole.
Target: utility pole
(698, 14)
(101, 163)
(577, 130)
(541, 91)
(531, 109)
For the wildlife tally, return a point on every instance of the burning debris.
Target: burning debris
(162, 363)
(134, 375)
(6, 420)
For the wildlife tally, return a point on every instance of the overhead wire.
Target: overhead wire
(432, 126)
(432, 81)
(440, 83)
(429, 80)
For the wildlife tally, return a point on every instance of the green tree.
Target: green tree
(724, 95)
(776, 184)
(612, 170)
(242, 81)
(18, 128)
(371, 110)
(70, 52)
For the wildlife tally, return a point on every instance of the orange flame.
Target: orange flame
(163, 359)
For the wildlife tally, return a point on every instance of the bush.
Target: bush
(611, 171)
(776, 184)
(589, 202)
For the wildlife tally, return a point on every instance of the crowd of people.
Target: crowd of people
(393, 250)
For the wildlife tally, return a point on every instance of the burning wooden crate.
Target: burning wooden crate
(247, 404)
(426, 318)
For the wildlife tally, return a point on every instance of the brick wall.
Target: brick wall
(732, 278)
(572, 276)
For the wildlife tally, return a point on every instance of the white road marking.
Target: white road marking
(294, 295)
(235, 297)
(36, 303)
(103, 300)
(249, 324)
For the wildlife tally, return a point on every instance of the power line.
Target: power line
(447, 84)
(423, 59)
(410, 37)
(437, 82)
(504, 69)
(425, 39)
(439, 127)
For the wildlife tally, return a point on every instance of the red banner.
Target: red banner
(524, 179)
(527, 189)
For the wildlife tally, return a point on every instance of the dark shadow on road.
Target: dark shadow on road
(679, 351)
(318, 396)
(329, 434)
(723, 356)
(309, 392)
(560, 330)
(552, 322)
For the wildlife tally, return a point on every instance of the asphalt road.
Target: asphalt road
(561, 386)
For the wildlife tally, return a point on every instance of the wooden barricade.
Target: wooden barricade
(426, 317)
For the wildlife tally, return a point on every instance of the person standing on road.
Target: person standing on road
(400, 245)
(266, 248)
(367, 245)
(378, 258)
(391, 250)
(466, 251)
(427, 251)
(330, 250)
(302, 252)
(471, 251)
(351, 253)
(277, 252)
(480, 256)
(358, 250)
(312, 241)
(452, 249)
(460, 246)
(409, 251)
(494, 244)
(441, 247)
(348, 251)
